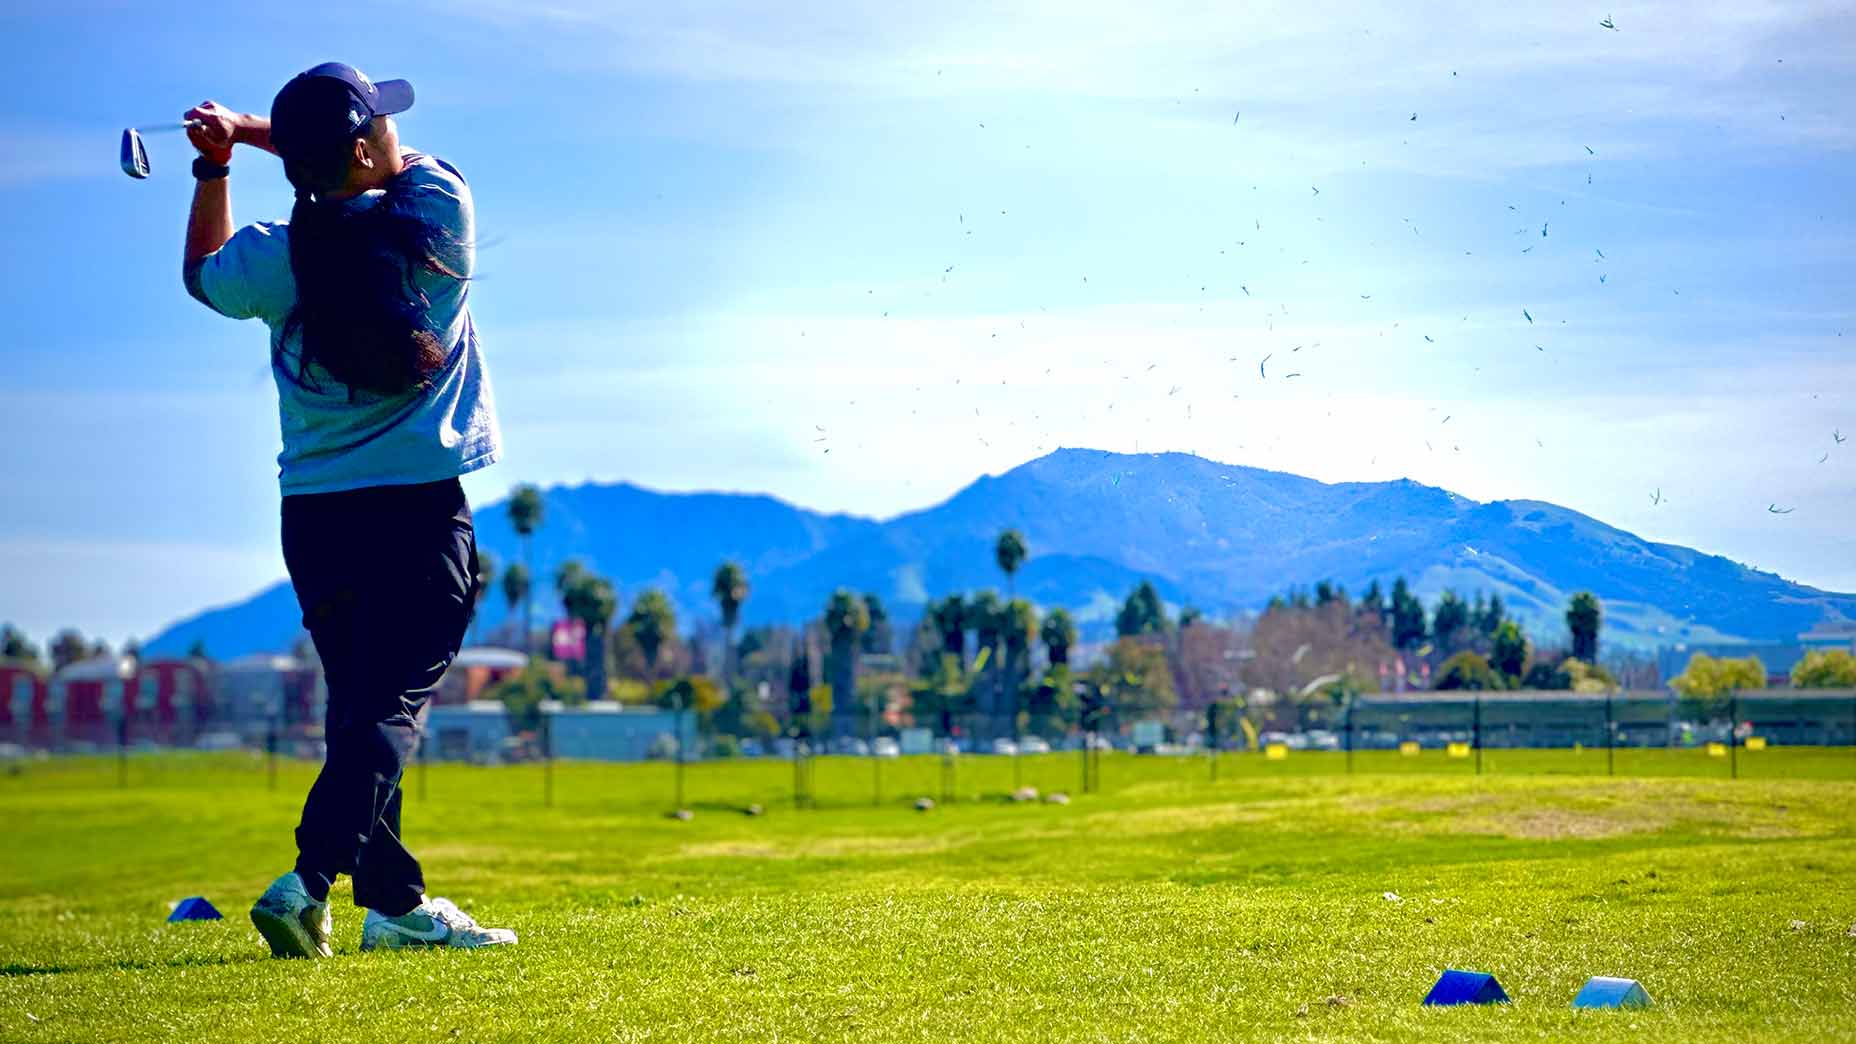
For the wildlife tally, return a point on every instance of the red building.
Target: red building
(173, 700)
(475, 669)
(22, 702)
(86, 697)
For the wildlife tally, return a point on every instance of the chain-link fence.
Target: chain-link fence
(676, 763)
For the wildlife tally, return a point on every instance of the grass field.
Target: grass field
(1164, 907)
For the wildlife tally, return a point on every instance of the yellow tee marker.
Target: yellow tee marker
(1459, 750)
(1717, 750)
(1409, 748)
(1756, 743)
(1276, 751)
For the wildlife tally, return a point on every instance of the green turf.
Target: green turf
(1164, 907)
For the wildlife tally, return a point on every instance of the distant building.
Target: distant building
(86, 699)
(606, 731)
(474, 670)
(476, 731)
(172, 700)
(22, 703)
(254, 693)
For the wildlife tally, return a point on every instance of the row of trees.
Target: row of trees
(1708, 678)
(67, 647)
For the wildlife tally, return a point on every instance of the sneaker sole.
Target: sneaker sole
(286, 935)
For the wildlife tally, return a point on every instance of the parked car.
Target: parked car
(1004, 746)
(885, 747)
(1033, 745)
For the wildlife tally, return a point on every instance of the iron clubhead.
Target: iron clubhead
(134, 156)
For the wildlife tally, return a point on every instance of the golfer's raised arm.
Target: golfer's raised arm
(209, 221)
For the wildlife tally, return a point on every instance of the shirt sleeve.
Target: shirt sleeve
(248, 277)
(437, 192)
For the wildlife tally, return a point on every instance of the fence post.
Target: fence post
(682, 732)
(1475, 732)
(1611, 732)
(122, 748)
(1349, 733)
(1733, 735)
(798, 787)
(876, 763)
(1211, 728)
(547, 761)
(948, 752)
(270, 755)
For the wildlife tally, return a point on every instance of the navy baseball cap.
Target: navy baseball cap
(328, 105)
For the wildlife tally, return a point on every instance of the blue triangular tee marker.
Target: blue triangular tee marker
(1603, 991)
(194, 908)
(1466, 987)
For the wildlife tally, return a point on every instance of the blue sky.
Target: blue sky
(958, 236)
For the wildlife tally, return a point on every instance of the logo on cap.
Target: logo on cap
(354, 118)
(365, 83)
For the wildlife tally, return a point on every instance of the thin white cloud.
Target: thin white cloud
(1313, 65)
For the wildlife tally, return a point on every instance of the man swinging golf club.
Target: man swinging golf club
(384, 402)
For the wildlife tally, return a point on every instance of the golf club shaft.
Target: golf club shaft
(166, 127)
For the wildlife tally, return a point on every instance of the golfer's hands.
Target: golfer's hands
(218, 129)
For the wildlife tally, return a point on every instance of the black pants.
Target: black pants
(386, 577)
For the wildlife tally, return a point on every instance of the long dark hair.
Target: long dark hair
(358, 308)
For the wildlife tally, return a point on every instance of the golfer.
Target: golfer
(384, 402)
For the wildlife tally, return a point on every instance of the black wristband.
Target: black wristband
(206, 170)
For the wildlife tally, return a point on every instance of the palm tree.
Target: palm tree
(1583, 615)
(847, 617)
(729, 588)
(950, 620)
(515, 589)
(878, 638)
(1142, 613)
(652, 623)
(1059, 634)
(592, 601)
(1010, 553)
(567, 577)
(986, 615)
(525, 511)
(1019, 624)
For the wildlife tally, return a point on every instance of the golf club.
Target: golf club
(134, 156)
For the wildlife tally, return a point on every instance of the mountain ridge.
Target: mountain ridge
(1222, 537)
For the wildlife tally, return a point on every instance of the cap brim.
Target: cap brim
(395, 96)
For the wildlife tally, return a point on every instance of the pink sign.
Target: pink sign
(568, 639)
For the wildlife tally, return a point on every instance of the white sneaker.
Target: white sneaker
(434, 922)
(293, 923)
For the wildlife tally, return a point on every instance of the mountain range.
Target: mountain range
(1215, 536)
